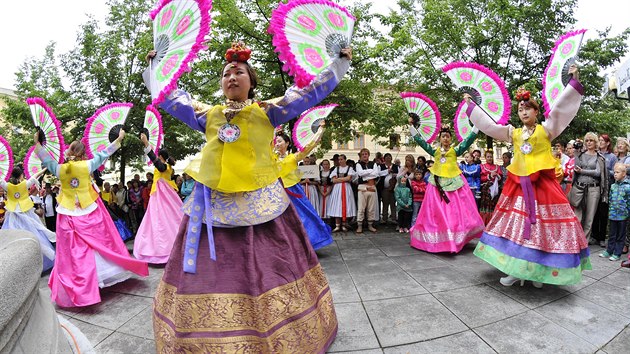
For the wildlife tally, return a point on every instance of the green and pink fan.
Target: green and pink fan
(104, 126)
(461, 123)
(32, 163)
(484, 86)
(179, 30)
(557, 76)
(152, 128)
(6, 159)
(49, 127)
(307, 125)
(425, 114)
(308, 35)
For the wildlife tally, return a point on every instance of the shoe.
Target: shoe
(371, 228)
(626, 264)
(336, 229)
(605, 254)
(510, 280)
(602, 243)
(406, 230)
(614, 257)
(359, 229)
(537, 284)
(401, 231)
(344, 228)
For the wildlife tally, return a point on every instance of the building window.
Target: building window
(342, 146)
(359, 141)
(394, 142)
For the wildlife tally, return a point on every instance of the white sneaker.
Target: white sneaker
(537, 284)
(510, 280)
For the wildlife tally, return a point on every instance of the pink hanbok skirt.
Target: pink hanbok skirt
(158, 230)
(90, 254)
(446, 227)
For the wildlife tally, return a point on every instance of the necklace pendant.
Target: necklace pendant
(443, 160)
(526, 148)
(229, 133)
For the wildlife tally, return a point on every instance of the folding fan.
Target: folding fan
(308, 35)
(425, 114)
(484, 86)
(6, 159)
(49, 128)
(104, 126)
(556, 75)
(307, 125)
(32, 163)
(179, 30)
(152, 128)
(461, 123)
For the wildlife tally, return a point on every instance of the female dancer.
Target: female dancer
(490, 174)
(534, 234)
(249, 280)
(156, 234)
(342, 205)
(90, 253)
(20, 214)
(318, 233)
(448, 218)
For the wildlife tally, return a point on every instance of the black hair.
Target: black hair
(164, 154)
(287, 139)
(387, 154)
(16, 173)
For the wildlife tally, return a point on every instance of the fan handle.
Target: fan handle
(41, 137)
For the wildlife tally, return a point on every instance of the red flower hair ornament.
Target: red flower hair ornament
(238, 53)
(522, 94)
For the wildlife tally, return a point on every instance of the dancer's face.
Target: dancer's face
(236, 82)
(527, 115)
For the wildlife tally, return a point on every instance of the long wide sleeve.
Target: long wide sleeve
(483, 122)
(296, 100)
(565, 109)
(465, 144)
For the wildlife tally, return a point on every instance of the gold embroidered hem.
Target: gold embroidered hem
(300, 316)
(222, 312)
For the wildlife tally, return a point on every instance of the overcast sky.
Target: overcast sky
(28, 26)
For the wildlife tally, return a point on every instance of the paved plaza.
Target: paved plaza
(391, 298)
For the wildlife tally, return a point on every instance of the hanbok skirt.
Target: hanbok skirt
(336, 202)
(318, 232)
(156, 234)
(446, 227)
(29, 221)
(556, 251)
(265, 293)
(90, 254)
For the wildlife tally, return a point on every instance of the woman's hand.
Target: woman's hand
(577, 169)
(573, 70)
(144, 140)
(467, 97)
(121, 136)
(36, 139)
(347, 52)
(150, 55)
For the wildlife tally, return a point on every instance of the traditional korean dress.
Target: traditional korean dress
(90, 252)
(448, 218)
(242, 276)
(20, 215)
(158, 230)
(534, 234)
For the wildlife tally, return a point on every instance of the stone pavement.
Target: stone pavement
(391, 298)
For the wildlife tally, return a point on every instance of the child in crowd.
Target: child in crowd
(619, 210)
(404, 202)
(418, 188)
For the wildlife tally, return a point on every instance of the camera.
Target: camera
(578, 146)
